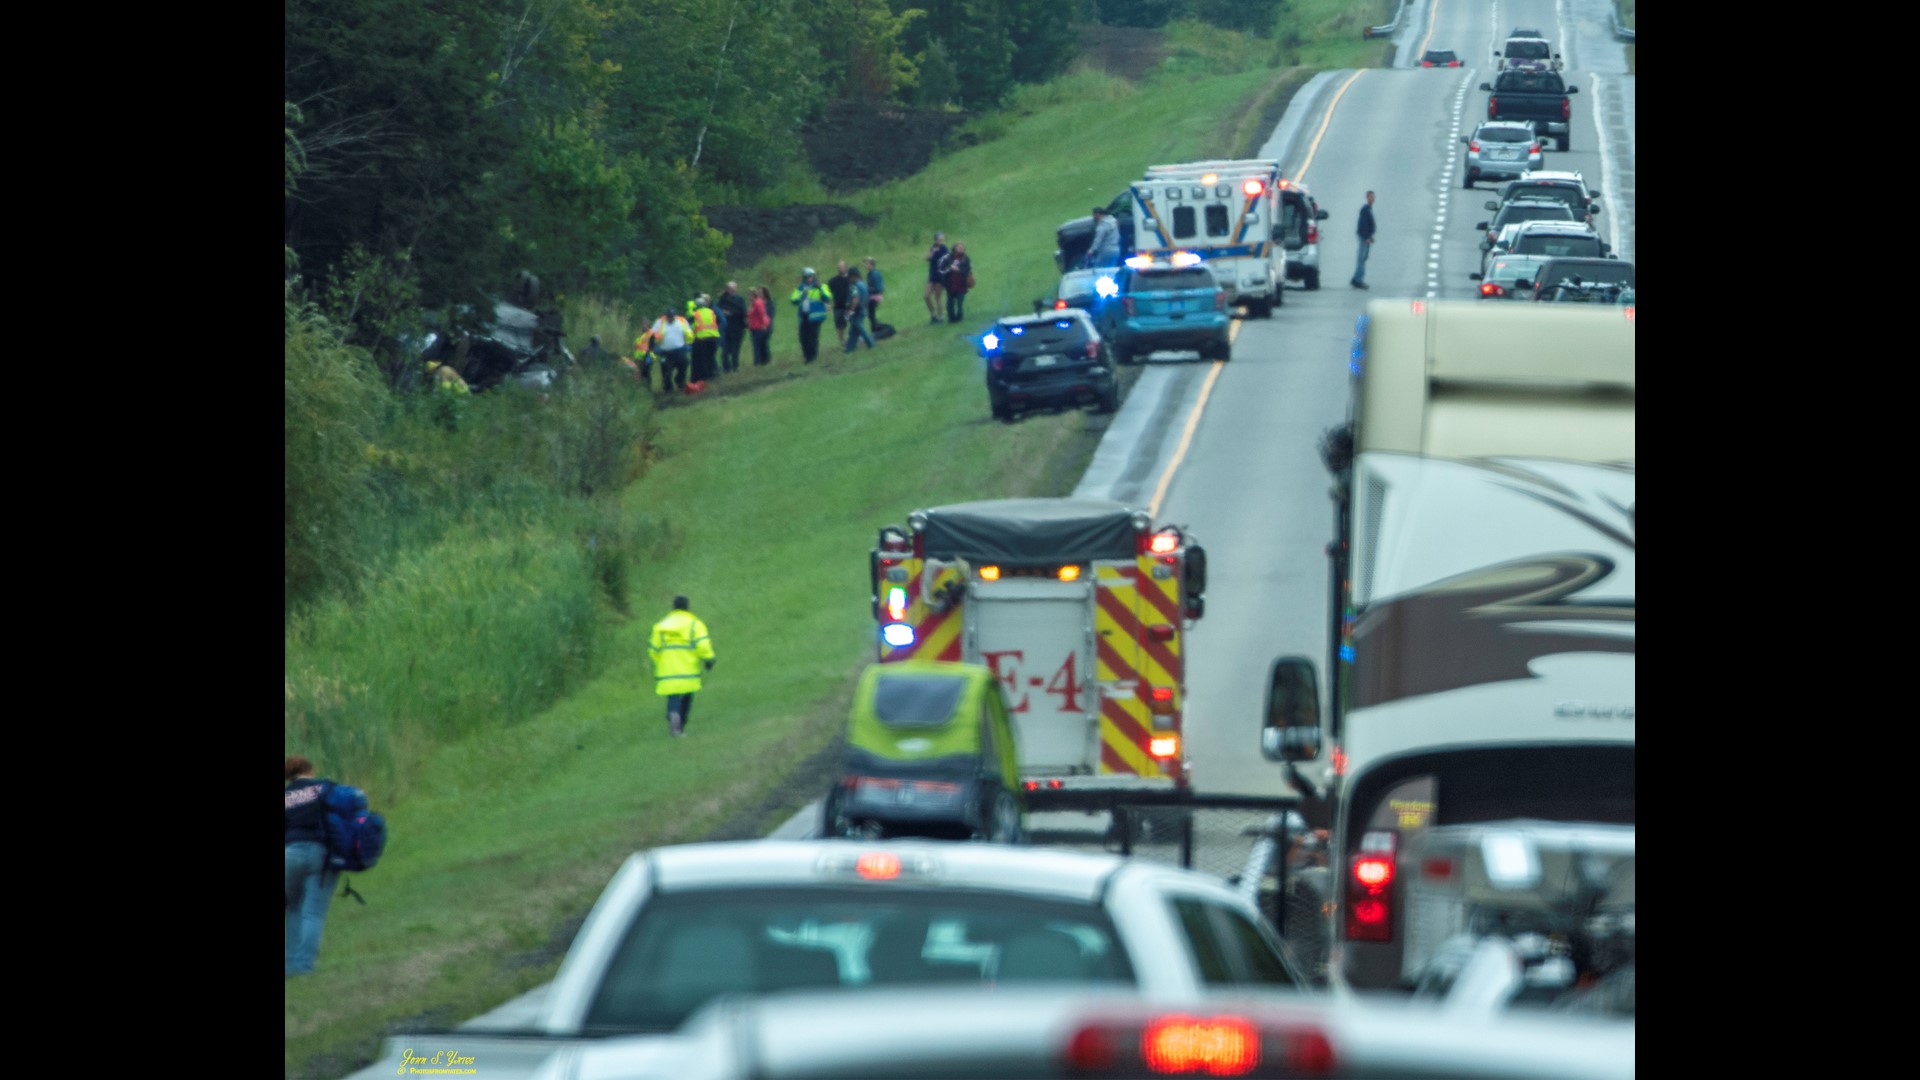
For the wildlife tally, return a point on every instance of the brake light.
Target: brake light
(1629, 312)
(1220, 300)
(1164, 541)
(1369, 897)
(1313, 234)
(1473, 147)
(1179, 1044)
(1533, 148)
(1426, 63)
(1093, 350)
(1493, 106)
(878, 866)
(1218, 1046)
(1059, 305)
(1566, 108)
(1488, 288)
(1165, 746)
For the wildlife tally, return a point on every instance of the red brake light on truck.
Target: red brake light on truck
(1369, 903)
(1164, 542)
(1165, 746)
(878, 866)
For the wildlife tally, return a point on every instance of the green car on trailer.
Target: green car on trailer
(930, 752)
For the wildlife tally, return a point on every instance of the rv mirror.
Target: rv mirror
(1290, 743)
(1293, 702)
(1194, 571)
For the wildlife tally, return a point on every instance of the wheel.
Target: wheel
(1110, 400)
(1122, 357)
(1001, 411)
(1278, 299)
(1467, 181)
(1562, 140)
(1313, 279)
(1223, 351)
(1003, 824)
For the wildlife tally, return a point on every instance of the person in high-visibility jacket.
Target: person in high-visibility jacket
(706, 339)
(679, 650)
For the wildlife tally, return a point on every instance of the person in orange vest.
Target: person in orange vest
(642, 362)
(706, 339)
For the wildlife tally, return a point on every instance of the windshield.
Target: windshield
(1558, 244)
(1536, 212)
(1530, 82)
(1510, 269)
(687, 948)
(1503, 135)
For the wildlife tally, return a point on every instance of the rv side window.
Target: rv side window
(1407, 807)
(1182, 222)
(1217, 223)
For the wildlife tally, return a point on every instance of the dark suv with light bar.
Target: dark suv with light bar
(1055, 359)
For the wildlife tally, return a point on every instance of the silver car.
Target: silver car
(1500, 150)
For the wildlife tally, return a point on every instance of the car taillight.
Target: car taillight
(1426, 63)
(1488, 288)
(1493, 106)
(999, 363)
(1313, 234)
(1566, 108)
(1220, 300)
(1474, 147)
(1250, 1043)
(1370, 897)
(1059, 305)
(1093, 350)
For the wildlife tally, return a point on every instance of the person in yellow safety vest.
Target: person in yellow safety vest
(642, 362)
(445, 379)
(678, 651)
(706, 339)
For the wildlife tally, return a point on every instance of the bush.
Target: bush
(331, 393)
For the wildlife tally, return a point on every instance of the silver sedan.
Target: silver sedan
(1500, 150)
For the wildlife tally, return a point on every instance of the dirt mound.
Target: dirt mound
(854, 145)
(1128, 52)
(758, 231)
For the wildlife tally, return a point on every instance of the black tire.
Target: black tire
(1563, 140)
(1003, 821)
(1224, 350)
(1109, 400)
(998, 404)
(1313, 280)
(1467, 181)
(1122, 357)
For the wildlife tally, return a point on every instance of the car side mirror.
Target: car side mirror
(1464, 140)
(1488, 87)
(1593, 208)
(1194, 577)
(1470, 277)
(1291, 728)
(1321, 216)
(1492, 204)
(1482, 226)
(1573, 89)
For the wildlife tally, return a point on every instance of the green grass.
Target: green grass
(1626, 20)
(760, 506)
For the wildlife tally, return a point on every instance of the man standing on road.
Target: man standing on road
(1105, 249)
(679, 650)
(1366, 243)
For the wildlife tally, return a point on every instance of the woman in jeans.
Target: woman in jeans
(310, 880)
(959, 280)
(760, 324)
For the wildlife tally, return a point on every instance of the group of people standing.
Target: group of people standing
(853, 298)
(949, 278)
(707, 340)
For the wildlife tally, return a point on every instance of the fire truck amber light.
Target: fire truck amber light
(989, 573)
(899, 635)
(878, 866)
(1165, 746)
(1218, 1046)
(1069, 573)
(897, 603)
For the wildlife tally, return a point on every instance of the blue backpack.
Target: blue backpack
(356, 836)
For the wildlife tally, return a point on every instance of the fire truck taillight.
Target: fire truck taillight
(1164, 542)
(1165, 746)
(1069, 573)
(1160, 632)
(1370, 890)
(1160, 699)
(989, 573)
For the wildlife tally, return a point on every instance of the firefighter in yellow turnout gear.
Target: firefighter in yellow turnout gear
(679, 650)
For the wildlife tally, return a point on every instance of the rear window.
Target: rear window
(1530, 82)
(1528, 50)
(916, 700)
(1541, 192)
(1503, 135)
(1038, 337)
(1610, 272)
(1189, 277)
(688, 948)
(1559, 245)
(1512, 213)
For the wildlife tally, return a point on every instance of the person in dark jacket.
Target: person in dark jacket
(1365, 231)
(841, 286)
(876, 292)
(936, 276)
(310, 879)
(733, 326)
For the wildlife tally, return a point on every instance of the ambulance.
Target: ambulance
(1241, 217)
(1079, 607)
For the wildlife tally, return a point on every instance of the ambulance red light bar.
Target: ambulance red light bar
(1252, 187)
(1184, 1044)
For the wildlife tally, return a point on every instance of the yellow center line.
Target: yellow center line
(1233, 331)
(1432, 13)
(1314, 147)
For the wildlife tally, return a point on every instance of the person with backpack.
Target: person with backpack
(310, 874)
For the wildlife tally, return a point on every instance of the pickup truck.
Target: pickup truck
(1537, 97)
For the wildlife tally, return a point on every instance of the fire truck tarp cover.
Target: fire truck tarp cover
(1031, 531)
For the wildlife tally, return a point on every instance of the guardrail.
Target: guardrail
(1398, 12)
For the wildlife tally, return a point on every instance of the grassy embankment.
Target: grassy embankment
(1626, 20)
(760, 506)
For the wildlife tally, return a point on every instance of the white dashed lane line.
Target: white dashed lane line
(1452, 159)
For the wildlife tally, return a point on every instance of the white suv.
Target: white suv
(1299, 232)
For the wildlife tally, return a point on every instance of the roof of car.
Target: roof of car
(997, 867)
(1045, 316)
(1556, 226)
(1521, 124)
(1551, 175)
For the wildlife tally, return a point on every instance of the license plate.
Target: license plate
(1045, 361)
(1506, 155)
